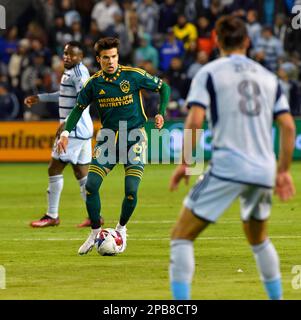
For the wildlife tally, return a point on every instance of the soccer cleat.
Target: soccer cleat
(122, 231)
(87, 223)
(88, 245)
(45, 221)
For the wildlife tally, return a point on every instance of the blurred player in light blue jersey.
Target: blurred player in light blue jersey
(79, 151)
(240, 99)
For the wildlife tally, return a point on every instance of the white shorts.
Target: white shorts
(211, 196)
(78, 152)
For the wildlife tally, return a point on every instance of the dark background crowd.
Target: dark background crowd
(172, 39)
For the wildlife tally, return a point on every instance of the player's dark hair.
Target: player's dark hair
(106, 44)
(231, 32)
(75, 44)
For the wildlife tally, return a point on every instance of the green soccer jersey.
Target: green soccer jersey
(118, 97)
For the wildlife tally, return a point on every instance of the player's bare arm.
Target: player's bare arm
(285, 188)
(193, 122)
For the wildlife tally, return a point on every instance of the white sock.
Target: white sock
(119, 226)
(268, 265)
(181, 268)
(54, 190)
(267, 261)
(95, 231)
(82, 183)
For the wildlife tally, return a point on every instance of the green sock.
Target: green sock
(93, 202)
(130, 200)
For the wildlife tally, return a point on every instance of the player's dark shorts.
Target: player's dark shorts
(128, 148)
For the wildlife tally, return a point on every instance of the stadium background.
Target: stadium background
(172, 39)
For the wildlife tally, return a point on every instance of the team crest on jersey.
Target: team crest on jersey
(125, 86)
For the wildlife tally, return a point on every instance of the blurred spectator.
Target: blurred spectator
(172, 47)
(85, 9)
(37, 47)
(128, 7)
(119, 31)
(167, 15)
(3, 72)
(192, 9)
(214, 11)
(9, 104)
(148, 15)
(240, 8)
(205, 41)
(178, 79)
(8, 44)
(134, 29)
(35, 31)
(70, 14)
(253, 26)
(76, 30)
(47, 11)
(190, 55)
(280, 27)
(146, 52)
(58, 35)
(185, 31)
(201, 59)
(288, 73)
(268, 49)
(36, 78)
(103, 13)
(17, 64)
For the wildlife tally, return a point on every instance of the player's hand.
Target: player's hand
(59, 130)
(61, 145)
(29, 101)
(159, 121)
(284, 188)
(178, 175)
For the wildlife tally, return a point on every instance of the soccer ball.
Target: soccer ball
(108, 242)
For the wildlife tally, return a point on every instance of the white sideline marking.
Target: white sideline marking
(144, 239)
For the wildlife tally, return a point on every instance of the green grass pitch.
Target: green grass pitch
(43, 263)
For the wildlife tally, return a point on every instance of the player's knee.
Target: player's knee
(92, 186)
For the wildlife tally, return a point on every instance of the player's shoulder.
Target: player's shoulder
(94, 78)
(79, 71)
(133, 70)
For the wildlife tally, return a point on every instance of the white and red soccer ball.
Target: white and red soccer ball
(108, 242)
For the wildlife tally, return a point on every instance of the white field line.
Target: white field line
(145, 239)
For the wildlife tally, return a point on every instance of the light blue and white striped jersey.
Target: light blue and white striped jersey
(72, 82)
(241, 99)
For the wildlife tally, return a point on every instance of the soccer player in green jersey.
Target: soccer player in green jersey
(117, 92)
